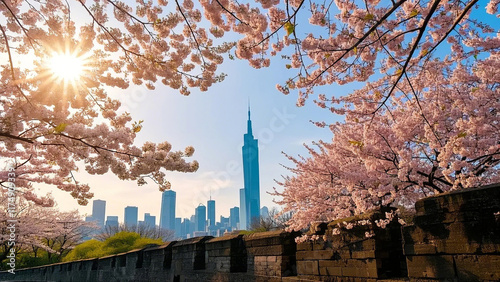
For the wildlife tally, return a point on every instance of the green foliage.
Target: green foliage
(143, 242)
(88, 249)
(119, 243)
(289, 27)
(28, 259)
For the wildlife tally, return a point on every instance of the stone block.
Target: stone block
(360, 268)
(271, 259)
(434, 267)
(307, 268)
(364, 254)
(315, 255)
(420, 249)
(478, 267)
(331, 268)
(190, 254)
(305, 246)
(266, 250)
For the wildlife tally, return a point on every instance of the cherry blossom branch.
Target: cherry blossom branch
(133, 17)
(457, 21)
(8, 135)
(125, 50)
(417, 100)
(191, 30)
(431, 179)
(12, 66)
(25, 31)
(374, 27)
(231, 13)
(281, 26)
(402, 71)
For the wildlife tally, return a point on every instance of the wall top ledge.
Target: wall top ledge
(191, 241)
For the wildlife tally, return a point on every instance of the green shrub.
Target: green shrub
(121, 242)
(88, 249)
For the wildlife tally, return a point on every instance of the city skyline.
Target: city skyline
(216, 134)
(249, 199)
(202, 222)
(132, 212)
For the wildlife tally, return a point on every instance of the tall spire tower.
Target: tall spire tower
(250, 153)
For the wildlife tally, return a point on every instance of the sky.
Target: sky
(214, 123)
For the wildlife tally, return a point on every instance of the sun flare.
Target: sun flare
(67, 67)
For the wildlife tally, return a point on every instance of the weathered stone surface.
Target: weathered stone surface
(478, 267)
(307, 268)
(315, 255)
(436, 267)
(478, 199)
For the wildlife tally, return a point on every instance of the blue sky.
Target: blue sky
(214, 123)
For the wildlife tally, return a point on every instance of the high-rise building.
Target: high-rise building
(250, 151)
(187, 228)
(149, 220)
(112, 221)
(167, 214)
(243, 210)
(234, 217)
(210, 213)
(200, 216)
(99, 212)
(178, 227)
(264, 212)
(131, 216)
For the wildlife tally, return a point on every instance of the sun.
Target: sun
(67, 67)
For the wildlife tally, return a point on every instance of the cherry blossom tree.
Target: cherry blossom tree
(50, 121)
(39, 229)
(444, 139)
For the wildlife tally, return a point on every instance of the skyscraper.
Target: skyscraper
(131, 216)
(264, 212)
(250, 151)
(178, 227)
(234, 217)
(149, 220)
(167, 214)
(200, 216)
(99, 212)
(243, 210)
(211, 213)
(112, 221)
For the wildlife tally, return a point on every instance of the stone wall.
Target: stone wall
(454, 237)
(346, 253)
(257, 257)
